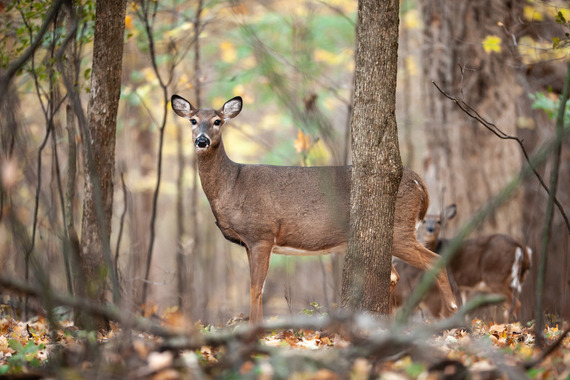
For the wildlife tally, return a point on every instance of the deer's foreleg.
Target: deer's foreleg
(258, 256)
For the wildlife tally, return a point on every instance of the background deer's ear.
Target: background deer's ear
(182, 107)
(232, 108)
(449, 212)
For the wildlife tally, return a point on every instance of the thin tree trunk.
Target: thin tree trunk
(71, 67)
(547, 228)
(196, 246)
(96, 263)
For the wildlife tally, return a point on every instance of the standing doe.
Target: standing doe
(292, 210)
(492, 264)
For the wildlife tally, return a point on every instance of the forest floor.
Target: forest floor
(354, 347)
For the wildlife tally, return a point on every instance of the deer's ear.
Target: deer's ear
(232, 108)
(182, 107)
(449, 212)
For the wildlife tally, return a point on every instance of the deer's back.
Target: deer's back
(306, 207)
(488, 259)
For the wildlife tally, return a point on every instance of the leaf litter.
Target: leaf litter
(485, 350)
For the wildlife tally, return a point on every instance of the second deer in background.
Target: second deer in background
(491, 264)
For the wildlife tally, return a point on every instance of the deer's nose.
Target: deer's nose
(202, 141)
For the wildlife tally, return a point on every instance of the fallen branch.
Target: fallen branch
(111, 312)
(547, 351)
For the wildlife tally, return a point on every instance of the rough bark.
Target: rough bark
(469, 163)
(377, 167)
(100, 146)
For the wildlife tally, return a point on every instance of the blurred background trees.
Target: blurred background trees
(293, 63)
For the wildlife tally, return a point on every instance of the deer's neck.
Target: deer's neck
(216, 171)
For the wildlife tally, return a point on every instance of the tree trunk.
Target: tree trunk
(100, 148)
(377, 166)
(470, 164)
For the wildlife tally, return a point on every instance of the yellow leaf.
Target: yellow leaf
(321, 55)
(532, 13)
(492, 43)
(412, 19)
(347, 6)
(411, 66)
(229, 52)
(128, 22)
(302, 142)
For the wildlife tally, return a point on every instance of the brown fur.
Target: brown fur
(483, 264)
(304, 210)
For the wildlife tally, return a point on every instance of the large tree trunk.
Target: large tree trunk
(470, 164)
(100, 147)
(377, 167)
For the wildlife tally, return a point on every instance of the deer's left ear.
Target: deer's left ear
(232, 108)
(449, 212)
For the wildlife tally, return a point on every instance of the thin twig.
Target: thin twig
(474, 222)
(121, 226)
(148, 21)
(547, 351)
(21, 61)
(471, 112)
(547, 227)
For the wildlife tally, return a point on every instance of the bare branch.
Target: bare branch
(148, 16)
(547, 351)
(21, 61)
(471, 112)
(112, 312)
(447, 254)
(121, 226)
(547, 227)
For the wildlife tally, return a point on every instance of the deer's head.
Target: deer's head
(431, 225)
(206, 123)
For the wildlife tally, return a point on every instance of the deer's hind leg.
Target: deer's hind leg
(415, 254)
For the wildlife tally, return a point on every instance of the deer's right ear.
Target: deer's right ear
(182, 107)
(449, 212)
(232, 107)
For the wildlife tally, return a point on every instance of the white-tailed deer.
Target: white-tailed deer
(289, 209)
(492, 264)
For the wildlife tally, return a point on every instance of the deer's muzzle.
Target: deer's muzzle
(202, 142)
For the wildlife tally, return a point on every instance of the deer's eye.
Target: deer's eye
(193, 121)
(217, 122)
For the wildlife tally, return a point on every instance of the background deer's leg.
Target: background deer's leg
(394, 279)
(512, 305)
(258, 256)
(412, 252)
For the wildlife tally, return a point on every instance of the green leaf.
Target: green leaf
(15, 345)
(560, 18)
(31, 348)
(4, 369)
